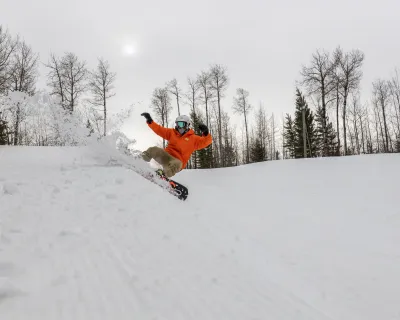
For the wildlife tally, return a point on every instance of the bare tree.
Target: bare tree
(378, 126)
(394, 87)
(351, 135)
(219, 83)
(350, 68)
(101, 86)
(319, 79)
(24, 69)
(56, 78)
(283, 139)
(362, 118)
(370, 145)
(173, 87)
(192, 94)
(23, 76)
(214, 128)
(274, 129)
(75, 76)
(394, 138)
(381, 98)
(243, 148)
(242, 106)
(337, 76)
(8, 46)
(161, 105)
(17, 107)
(67, 78)
(355, 112)
(204, 80)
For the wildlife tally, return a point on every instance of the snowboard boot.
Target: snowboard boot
(161, 174)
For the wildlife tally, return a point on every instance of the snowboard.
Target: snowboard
(175, 188)
(156, 176)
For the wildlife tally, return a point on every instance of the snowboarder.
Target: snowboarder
(182, 142)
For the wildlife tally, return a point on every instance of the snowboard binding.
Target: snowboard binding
(179, 190)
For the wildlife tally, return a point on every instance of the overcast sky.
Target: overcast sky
(262, 43)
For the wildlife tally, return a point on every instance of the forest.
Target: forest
(329, 117)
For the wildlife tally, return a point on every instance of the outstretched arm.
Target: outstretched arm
(164, 133)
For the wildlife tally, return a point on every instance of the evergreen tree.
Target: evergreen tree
(3, 132)
(311, 138)
(230, 154)
(196, 120)
(289, 135)
(261, 133)
(397, 144)
(330, 134)
(257, 151)
(201, 158)
(204, 157)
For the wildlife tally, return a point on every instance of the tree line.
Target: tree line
(329, 117)
(71, 83)
(337, 124)
(204, 94)
(331, 82)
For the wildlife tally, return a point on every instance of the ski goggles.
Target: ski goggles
(181, 124)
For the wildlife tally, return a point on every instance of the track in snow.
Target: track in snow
(82, 241)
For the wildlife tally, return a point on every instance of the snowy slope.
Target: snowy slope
(304, 239)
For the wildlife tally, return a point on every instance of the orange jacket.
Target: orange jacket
(181, 147)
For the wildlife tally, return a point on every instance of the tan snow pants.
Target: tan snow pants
(171, 165)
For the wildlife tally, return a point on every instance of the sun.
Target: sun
(129, 50)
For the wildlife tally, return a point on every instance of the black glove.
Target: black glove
(203, 128)
(148, 117)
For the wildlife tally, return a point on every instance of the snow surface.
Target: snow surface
(294, 239)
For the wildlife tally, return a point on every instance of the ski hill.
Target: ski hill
(313, 239)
